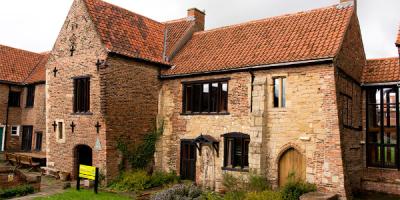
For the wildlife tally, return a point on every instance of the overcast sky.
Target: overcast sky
(34, 24)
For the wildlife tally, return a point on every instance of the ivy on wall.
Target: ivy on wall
(141, 155)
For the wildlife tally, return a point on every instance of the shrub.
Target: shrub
(209, 195)
(179, 192)
(161, 178)
(231, 183)
(140, 180)
(295, 188)
(257, 183)
(17, 191)
(265, 195)
(235, 195)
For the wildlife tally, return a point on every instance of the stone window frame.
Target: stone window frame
(221, 81)
(282, 93)
(231, 158)
(18, 130)
(58, 139)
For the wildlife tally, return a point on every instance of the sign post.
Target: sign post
(90, 173)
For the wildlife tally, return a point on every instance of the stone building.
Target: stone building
(22, 100)
(281, 97)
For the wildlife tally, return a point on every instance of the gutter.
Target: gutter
(254, 67)
(7, 112)
(380, 84)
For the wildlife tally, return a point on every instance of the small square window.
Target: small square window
(15, 130)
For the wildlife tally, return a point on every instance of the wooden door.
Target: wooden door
(26, 143)
(188, 160)
(291, 166)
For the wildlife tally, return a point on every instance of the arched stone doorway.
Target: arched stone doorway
(82, 156)
(291, 166)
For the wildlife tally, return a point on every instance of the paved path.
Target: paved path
(49, 186)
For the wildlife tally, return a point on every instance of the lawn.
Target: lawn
(84, 194)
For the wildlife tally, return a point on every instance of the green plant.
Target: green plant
(295, 188)
(231, 183)
(141, 155)
(209, 195)
(131, 181)
(180, 191)
(139, 180)
(264, 195)
(257, 183)
(159, 178)
(235, 195)
(17, 191)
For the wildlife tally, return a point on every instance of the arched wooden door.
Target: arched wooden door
(291, 165)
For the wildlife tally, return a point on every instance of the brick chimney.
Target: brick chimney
(199, 17)
(354, 1)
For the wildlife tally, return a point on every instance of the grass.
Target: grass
(73, 194)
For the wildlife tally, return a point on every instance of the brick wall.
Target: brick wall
(130, 92)
(23, 116)
(78, 27)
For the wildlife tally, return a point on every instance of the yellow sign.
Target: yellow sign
(87, 172)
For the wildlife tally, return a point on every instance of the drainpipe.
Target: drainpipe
(6, 129)
(252, 88)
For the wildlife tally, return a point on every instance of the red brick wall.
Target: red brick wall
(129, 93)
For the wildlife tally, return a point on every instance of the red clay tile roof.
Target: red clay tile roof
(315, 34)
(176, 30)
(127, 33)
(17, 65)
(381, 70)
(38, 74)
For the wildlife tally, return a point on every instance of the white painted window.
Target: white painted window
(15, 130)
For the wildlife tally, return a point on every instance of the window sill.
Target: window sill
(222, 113)
(82, 113)
(383, 168)
(28, 106)
(235, 169)
(14, 135)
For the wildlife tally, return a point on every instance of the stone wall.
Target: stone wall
(130, 92)
(79, 29)
(309, 123)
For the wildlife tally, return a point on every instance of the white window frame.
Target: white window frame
(62, 140)
(18, 130)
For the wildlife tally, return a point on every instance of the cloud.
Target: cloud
(34, 25)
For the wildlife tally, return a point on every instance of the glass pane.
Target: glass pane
(373, 155)
(374, 137)
(276, 92)
(238, 153)
(224, 98)
(390, 115)
(197, 90)
(389, 96)
(188, 99)
(246, 153)
(374, 117)
(373, 96)
(205, 97)
(214, 97)
(283, 92)
(60, 130)
(390, 137)
(389, 153)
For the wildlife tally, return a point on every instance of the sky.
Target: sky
(34, 25)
